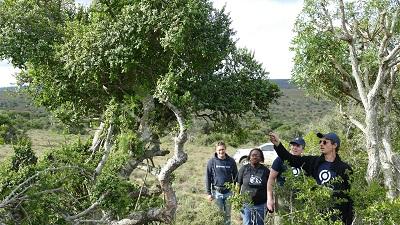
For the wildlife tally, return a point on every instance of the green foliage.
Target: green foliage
(36, 46)
(323, 64)
(314, 67)
(23, 154)
(235, 138)
(372, 206)
(290, 117)
(116, 192)
(9, 132)
(295, 106)
(21, 113)
(384, 212)
(304, 201)
(238, 200)
(227, 92)
(289, 131)
(183, 50)
(61, 183)
(128, 142)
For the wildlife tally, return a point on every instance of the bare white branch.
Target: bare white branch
(133, 162)
(86, 211)
(347, 35)
(357, 74)
(382, 71)
(352, 120)
(395, 63)
(155, 214)
(328, 16)
(394, 53)
(394, 20)
(384, 43)
(96, 137)
(107, 150)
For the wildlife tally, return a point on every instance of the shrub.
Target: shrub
(23, 154)
(304, 201)
(61, 183)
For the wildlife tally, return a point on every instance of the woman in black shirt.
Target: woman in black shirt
(252, 179)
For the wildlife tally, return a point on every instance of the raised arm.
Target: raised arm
(294, 160)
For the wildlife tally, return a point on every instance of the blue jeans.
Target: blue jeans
(224, 205)
(253, 215)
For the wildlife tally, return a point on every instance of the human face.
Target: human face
(296, 149)
(326, 146)
(221, 151)
(255, 157)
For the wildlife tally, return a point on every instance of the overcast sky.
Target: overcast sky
(263, 26)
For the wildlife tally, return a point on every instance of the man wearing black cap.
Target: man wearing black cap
(323, 169)
(297, 146)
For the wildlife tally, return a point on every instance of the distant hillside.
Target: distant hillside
(283, 83)
(12, 100)
(294, 107)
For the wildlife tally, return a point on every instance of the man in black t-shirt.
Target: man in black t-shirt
(297, 146)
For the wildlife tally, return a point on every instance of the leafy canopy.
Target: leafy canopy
(76, 60)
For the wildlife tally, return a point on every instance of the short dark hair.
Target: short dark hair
(259, 150)
(220, 143)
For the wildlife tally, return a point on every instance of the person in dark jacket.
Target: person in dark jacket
(252, 181)
(221, 169)
(324, 169)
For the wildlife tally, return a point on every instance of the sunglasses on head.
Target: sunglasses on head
(323, 142)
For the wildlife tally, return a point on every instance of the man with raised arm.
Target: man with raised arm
(297, 146)
(323, 169)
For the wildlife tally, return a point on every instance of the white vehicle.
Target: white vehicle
(241, 154)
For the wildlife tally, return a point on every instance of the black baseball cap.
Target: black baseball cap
(330, 136)
(298, 141)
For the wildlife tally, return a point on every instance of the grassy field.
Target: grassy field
(42, 140)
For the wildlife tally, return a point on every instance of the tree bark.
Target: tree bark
(166, 214)
(173, 163)
(107, 150)
(389, 166)
(96, 138)
(371, 145)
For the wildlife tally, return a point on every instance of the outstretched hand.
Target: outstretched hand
(274, 138)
